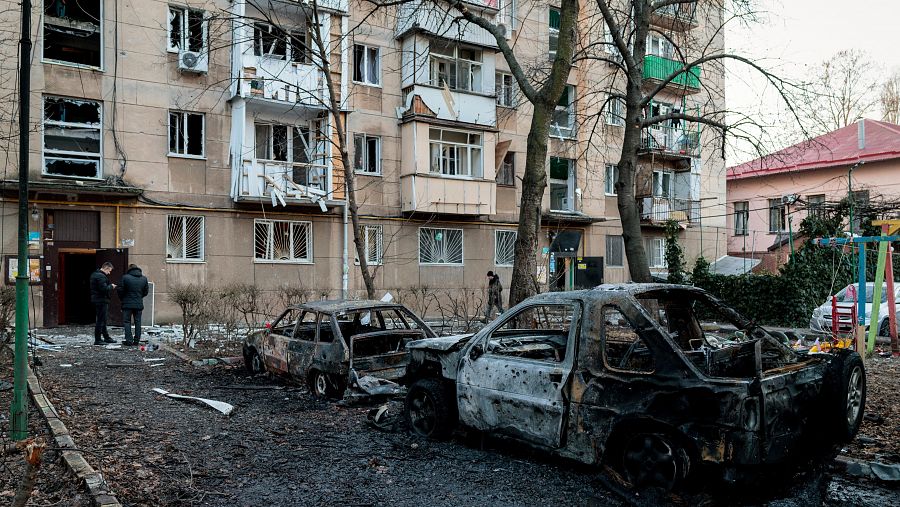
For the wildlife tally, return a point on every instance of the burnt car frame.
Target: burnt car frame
(335, 344)
(627, 376)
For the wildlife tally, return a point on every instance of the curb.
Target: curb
(75, 462)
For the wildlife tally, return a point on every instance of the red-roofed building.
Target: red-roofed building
(771, 195)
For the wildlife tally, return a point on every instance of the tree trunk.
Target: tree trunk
(534, 182)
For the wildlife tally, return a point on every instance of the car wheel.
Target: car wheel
(885, 328)
(324, 386)
(849, 392)
(253, 362)
(430, 409)
(654, 460)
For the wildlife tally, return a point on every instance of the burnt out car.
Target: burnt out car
(335, 344)
(644, 378)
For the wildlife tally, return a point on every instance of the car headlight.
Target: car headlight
(817, 313)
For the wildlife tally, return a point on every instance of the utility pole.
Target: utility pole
(18, 413)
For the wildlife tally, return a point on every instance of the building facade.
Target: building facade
(193, 139)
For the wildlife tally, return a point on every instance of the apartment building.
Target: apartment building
(193, 139)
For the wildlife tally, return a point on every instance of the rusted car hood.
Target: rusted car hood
(443, 344)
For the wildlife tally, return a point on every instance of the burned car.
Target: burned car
(644, 378)
(336, 344)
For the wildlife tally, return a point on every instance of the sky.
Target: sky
(793, 36)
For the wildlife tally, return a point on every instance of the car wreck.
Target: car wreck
(338, 347)
(628, 376)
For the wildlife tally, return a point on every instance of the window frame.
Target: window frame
(102, 29)
(658, 246)
(184, 11)
(570, 182)
(379, 244)
(455, 147)
(507, 169)
(506, 93)
(573, 308)
(365, 138)
(777, 204)
(615, 117)
(462, 247)
(567, 131)
(184, 230)
(270, 239)
(634, 328)
(816, 205)
(741, 218)
(664, 191)
(364, 77)
(621, 245)
(609, 183)
(71, 155)
(497, 234)
(455, 64)
(184, 125)
(553, 32)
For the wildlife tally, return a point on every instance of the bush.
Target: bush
(7, 311)
(462, 309)
(417, 299)
(293, 294)
(197, 308)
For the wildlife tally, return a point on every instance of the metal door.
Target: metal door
(119, 259)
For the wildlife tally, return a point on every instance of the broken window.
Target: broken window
(286, 325)
(505, 86)
(303, 146)
(563, 121)
(269, 41)
(365, 64)
(185, 240)
(535, 332)
(282, 241)
(187, 30)
(367, 153)
(554, 24)
(186, 133)
(623, 348)
(440, 246)
(456, 67)
(300, 43)
(72, 137)
(504, 247)
(507, 173)
(73, 32)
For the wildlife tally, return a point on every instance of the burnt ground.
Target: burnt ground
(281, 447)
(879, 435)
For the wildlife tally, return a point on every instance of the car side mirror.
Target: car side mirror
(476, 351)
(829, 299)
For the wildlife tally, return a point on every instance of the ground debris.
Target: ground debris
(221, 406)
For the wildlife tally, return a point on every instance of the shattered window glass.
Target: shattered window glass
(535, 332)
(186, 132)
(72, 137)
(623, 348)
(72, 32)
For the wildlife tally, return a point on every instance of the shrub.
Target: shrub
(7, 310)
(197, 308)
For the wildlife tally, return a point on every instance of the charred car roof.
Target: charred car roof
(611, 290)
(342, 305)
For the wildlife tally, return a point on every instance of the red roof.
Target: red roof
(837, 148)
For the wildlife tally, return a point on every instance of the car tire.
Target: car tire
(885, 328)
(253, 362)
(847, 394)
(430, 409)
(324, 386)
(654, 460)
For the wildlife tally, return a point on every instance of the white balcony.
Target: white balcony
(454, 105)
(446, 23)
(282, 183)
(281, 82)
(429, 193)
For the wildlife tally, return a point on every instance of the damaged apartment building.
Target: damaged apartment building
(194, 139)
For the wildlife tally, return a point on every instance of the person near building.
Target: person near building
(494, 296)
(100, 291)
(132, 290)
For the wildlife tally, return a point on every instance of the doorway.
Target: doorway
(75, 270)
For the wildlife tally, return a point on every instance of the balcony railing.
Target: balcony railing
(281, 81)
(282, 182)
(446, 23)
(679, 17)
(676, 142)
(663, 209)
(658, 68)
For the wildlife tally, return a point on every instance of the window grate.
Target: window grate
(504, 248)
(185, 241)
(440, 246)
(282, 241)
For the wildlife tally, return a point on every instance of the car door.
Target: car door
(512, 379)
(301, 344)
(274, 345)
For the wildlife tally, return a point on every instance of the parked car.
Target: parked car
(626, 375)
(335, 344)
(821, 316)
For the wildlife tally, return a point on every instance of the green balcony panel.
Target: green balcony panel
(659, 68)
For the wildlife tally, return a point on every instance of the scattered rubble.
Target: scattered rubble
(221, 406)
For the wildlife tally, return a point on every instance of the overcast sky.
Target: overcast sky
(795, 33)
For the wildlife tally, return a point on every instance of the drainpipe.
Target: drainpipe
(345, 69)
(345, 256)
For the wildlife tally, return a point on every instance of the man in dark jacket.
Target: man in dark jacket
(494, 296)
(100, 290)
(132, 290)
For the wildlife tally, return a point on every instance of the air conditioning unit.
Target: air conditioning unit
(789, 199)
(193, 61)
(504, 29)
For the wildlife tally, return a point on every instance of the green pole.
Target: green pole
(18, 413)
(876, 297)
(791, 235)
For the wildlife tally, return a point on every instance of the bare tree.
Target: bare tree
(890, 98)
(842, 91)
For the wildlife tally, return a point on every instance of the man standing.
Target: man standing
(132, 290)
(100, 290)
(494, 296)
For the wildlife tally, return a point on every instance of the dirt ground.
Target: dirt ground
(879, 435)
(281, 447)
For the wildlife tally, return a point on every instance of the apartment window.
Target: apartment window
(72, 137)
(562, 184)
(741, 218)
(455, 153)
(187, 30)
(440, 246)
(506, 175)
(564, 115)
(186, 133)
(554, 32)
(609, 44)
(663, 184)
(282, 241)
(615, 251)
(656, 252)
(816, 205)
(367, 154)
(611, 177)
(454, 66)
(615, 112)
(660, 46)
(269, 41)
(73, 32)
(185, 240)
(777, 216)
(301, 146)
(505, 86)
(504, 248)
(373, 243)
(366, 64)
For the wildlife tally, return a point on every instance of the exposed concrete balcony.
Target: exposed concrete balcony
(281, 84)
(427, 193)
(676, 17)
(671, 143)
(424, 16)
(658, 210)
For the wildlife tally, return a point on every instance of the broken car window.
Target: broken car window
(536, 332)
(623, 348)
(72, 137)
(72, 32)
(288, 321)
